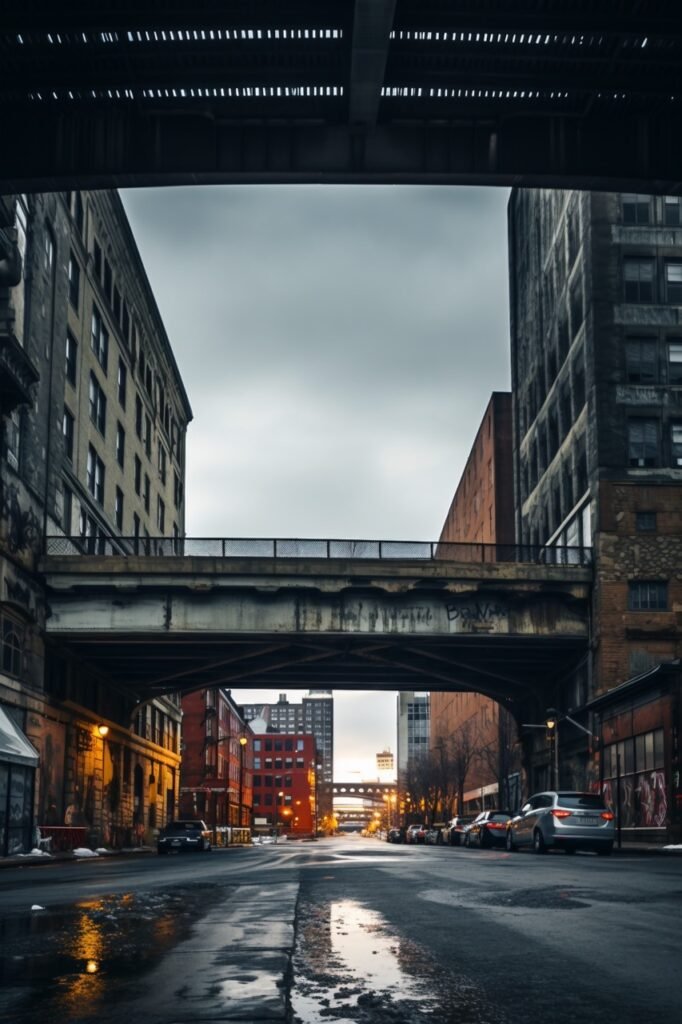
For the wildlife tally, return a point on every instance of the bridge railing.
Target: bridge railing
(274, 548)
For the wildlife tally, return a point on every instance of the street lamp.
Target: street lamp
(242, 744)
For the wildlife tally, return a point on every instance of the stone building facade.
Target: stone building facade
(596, 327)
(90, 389)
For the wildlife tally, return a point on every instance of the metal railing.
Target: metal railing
(273, 548)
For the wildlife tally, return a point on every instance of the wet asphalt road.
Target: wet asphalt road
(343, 930)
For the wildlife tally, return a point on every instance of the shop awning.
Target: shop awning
(14, 746)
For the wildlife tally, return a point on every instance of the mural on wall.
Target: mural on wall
(51, 773)
(22, 532)
(643, 799)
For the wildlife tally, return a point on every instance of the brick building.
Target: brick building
(216, 777)
(94, 418)
(482, 512)
(596, 298)
(285, 784)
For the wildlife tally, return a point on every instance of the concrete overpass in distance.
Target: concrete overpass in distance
(552, 93)
(382, 616)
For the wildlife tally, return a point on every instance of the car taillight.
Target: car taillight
(497, 824)
(558, 813)
(607, 815)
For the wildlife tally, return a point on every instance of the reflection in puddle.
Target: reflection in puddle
(69, 962)
(349, 966)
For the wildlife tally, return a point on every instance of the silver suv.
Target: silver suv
(566, 819)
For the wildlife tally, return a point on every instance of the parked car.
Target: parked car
(453, 831)
(489, 828)
(395, 835)
(184, 835)
(433, 835)
(416, 834)
(566, 819)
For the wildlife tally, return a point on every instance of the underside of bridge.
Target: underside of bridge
(536, 92)
(152, 626)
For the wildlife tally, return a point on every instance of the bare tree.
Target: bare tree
(500, 756)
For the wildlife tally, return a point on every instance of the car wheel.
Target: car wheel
(539, 842)
(605, 851)
(509, 841)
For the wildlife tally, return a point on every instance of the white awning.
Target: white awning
(14, 746)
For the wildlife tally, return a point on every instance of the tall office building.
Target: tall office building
(414, 729)
(596, 335)
(94, 416)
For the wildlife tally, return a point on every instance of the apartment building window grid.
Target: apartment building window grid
(99, 339)
(71, 358)
(74, 281)
(639, 280)
(95, 475)
(98, 405)
(120, 445)
(68, 432)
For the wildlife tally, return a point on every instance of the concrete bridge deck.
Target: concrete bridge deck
(160, 624)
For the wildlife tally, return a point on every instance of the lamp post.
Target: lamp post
(242, 744)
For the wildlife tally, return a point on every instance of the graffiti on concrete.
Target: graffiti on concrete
(23, 528)
(477, 611)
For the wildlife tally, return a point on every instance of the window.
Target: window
(78, 212)
(673, 283)
(138, 416)
(647, 595)
(125, 323)
(160, 514)
(671, 211)
(147, 492)
(675, 362)
(98, 405)
(99, 339)
(67, 510)
(118, 508)
(636, 209)
(148, 436)
(138, 474)
(97, 259)
(108, 279)
(48, 251)
(117, 305)
(95, 475)
(640, 361)
(177, 490)
(136, 530)
(74, 281)
(71, 357)
(639, 280)
(120, 445)
(67, 430)
(162, 463)
(642, 443)
(645, 522)
(676, 442)
(122, 381)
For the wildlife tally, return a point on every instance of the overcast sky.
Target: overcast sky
(338, 346)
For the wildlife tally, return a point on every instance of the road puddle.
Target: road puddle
(349, 966)
(70, 962)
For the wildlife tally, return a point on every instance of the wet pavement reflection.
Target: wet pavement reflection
(350, 966)
(72, 962)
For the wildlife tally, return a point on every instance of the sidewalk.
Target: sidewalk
(41, 859)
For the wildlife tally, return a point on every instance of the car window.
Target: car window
(587, 800)
(499, 816)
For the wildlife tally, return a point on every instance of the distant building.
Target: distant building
(385, 761)
(414, 729)
(314, 716)
(285, 784)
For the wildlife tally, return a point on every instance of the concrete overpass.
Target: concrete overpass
(155, 625)
(563, 93)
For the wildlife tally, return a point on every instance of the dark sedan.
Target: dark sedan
(488, 829)
(184, 835)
